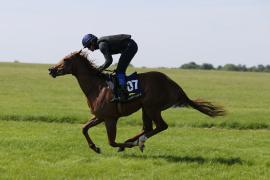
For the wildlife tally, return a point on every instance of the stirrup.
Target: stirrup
(122, 98)
(115, 99)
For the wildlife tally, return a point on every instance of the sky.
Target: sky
(168, 33)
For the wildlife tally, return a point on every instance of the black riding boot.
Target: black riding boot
(123, 94)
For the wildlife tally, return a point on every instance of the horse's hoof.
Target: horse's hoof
(97, 150)
(142, 147)
(121, 149)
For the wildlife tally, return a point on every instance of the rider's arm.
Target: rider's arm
(104, 48)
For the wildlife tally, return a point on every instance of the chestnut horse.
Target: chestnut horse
(159, 94)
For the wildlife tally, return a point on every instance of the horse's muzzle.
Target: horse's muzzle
(53, 72)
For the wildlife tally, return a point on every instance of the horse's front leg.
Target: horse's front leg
(111, 132)
(91, 123)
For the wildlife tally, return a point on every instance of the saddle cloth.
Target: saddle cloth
(133, 84)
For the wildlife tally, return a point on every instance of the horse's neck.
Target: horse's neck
(90, 85)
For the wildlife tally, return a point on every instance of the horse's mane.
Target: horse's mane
(88, 62)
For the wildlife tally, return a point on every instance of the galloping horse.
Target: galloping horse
(159, 93)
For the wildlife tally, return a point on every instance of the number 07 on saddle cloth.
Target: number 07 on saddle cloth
(133, 84)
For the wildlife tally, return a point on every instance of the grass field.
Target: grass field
(194, 147)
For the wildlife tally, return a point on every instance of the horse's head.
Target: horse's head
(75, 63)
(65, 66)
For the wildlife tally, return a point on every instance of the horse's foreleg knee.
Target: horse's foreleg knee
(93, 122)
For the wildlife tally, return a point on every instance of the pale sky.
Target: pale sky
(169, 33)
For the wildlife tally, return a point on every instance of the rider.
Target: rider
(110, 45)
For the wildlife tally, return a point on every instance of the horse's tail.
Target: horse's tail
(207, 108)
(201, 105)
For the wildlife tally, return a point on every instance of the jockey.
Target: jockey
(115, 44)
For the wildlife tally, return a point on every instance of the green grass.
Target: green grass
(27, 92)
(31, 150)
(194, 147)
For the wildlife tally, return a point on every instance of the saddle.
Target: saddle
(133, 87)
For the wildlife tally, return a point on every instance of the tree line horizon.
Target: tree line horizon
(208, 66)
(226, 67)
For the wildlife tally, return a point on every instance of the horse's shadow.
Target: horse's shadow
(190, 159)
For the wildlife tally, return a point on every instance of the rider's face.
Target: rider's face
(92, 47)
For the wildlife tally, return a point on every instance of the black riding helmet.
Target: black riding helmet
(89, 39)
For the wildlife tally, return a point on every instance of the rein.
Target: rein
(109, 71)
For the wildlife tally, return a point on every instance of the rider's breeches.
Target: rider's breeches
(126, 56)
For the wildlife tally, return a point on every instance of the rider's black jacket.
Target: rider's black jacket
(110, 45)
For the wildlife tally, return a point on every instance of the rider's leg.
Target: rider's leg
(126, 56)
(125, 59)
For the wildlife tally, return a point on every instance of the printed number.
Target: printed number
(132, 85)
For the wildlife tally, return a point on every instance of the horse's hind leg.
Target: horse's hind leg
(161, 125)
(147, 127)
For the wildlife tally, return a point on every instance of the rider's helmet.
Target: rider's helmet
(89, 39)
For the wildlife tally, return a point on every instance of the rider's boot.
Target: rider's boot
(122, 90)
(123, 94)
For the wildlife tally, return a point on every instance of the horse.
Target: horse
(159, 93)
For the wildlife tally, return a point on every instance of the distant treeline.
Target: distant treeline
(227, 67)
